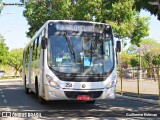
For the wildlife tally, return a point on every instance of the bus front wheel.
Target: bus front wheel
(41, 100)
(26, 90)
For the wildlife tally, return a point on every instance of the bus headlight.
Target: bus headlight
(52, 83)
(110, 84)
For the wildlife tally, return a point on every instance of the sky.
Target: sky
(13, 25)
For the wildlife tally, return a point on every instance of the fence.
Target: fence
(144, 83)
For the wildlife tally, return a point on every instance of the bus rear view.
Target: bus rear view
(78, 62)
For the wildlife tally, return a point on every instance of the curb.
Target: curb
(156, 102)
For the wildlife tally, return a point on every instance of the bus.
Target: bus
(71, 60)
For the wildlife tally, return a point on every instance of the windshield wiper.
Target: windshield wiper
(70, 45)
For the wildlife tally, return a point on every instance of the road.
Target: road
(13, 99)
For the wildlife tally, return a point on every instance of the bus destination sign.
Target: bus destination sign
(81, 28)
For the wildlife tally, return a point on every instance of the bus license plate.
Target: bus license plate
(83, 97)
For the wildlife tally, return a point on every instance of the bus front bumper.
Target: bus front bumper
(71, 94)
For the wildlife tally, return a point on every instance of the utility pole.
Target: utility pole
(140, 64)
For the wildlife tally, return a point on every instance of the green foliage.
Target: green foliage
(151, 51)
(134, 61)
(121, 14)
(141, 30)
(38, 12)
(3, 50)
(125, 58)
(14, 59)
(144, 4)
(156, 60)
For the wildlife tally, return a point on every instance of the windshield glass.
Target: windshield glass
(80, 54)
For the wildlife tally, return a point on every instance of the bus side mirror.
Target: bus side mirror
(44, 42)
(118, 46)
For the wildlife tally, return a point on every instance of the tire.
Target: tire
(36, 87)
(40, 99)
(90, 102)
(26, 89)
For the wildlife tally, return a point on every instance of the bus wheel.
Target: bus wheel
(90, 102)
(36, 87)
(41, 100)
(26, 89)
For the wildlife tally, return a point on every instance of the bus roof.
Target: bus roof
(81, 21)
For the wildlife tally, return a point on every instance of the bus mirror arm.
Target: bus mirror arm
(44, 43)
(118, 46)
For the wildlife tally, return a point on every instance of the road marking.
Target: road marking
(5, 101)
(1, 92)
(3, 96)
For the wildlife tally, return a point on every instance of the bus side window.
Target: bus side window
(33, 51)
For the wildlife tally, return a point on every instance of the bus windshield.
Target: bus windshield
(92, 55)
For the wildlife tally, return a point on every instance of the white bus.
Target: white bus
(71, 60)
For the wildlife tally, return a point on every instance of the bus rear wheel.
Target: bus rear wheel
(36, 87)
(26, 89)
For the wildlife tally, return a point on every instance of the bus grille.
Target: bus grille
(93, 94)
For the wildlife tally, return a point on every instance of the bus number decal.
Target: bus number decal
(68, 84)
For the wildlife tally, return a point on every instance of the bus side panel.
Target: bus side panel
(26, 67)
(35, 74)
(41, 63)
(23, 68)
(30, 67)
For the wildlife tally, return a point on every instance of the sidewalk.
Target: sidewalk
(148, 90)
(141, 95)
(151, 101)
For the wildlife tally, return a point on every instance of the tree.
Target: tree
(141, 30)
(14, 59)
(119, 13)
(38, 12)
(151, 52)
(144, 4)
(125, 59)
(3, 50)
(1, 6)
(134, 61)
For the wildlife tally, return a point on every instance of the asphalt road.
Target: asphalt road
(20, 105)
